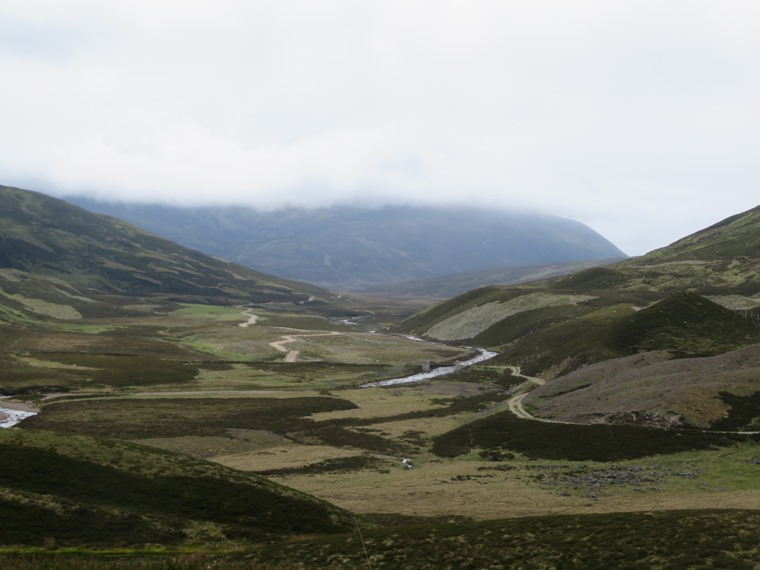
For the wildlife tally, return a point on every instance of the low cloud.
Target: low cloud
(637, 118)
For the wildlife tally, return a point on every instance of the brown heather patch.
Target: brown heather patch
(650, 382)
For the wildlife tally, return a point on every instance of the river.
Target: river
(441, 371)
(9, 417)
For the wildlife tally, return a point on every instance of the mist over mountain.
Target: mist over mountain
(357, 248)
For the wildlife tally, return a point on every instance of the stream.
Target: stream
(440, 371)
(9, 417)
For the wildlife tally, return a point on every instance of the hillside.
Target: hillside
(72, 262)
(451, 285)
(362, 248)
(692, 301)
(704, 391)
(94, 492)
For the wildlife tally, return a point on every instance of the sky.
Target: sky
(638, 118)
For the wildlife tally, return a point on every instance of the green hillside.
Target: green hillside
(65, 256)
(645, 341)
(729, 241)
(74, 491)
(677, 298)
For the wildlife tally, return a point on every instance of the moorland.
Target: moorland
(191, 412)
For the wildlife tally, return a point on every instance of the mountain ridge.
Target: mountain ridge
(360, 248)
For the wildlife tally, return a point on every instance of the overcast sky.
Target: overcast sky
(639, 118)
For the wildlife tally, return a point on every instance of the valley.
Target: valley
(309, 426)
(259, 416)
(224, 416)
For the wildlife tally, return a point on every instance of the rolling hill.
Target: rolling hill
(59, 260)
(362, 248)
(655, 319)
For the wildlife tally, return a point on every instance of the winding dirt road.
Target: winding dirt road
(251, 318)
(515, 403)
(292, 355)
(279, 345)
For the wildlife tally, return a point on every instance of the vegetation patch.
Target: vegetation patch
(517, 326)
(598, 442)
(678, 539)
(591, 279)
(129, 495)
(333, 465)
(106, 370)
(687, 323)
(596, 482)
(474, 321)
(569, 344)
(174, 417)
(744, 414)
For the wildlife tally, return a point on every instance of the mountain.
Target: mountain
(69, 257)
(358, 248)
(679, 308)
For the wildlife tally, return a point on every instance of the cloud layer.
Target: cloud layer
(639, 118)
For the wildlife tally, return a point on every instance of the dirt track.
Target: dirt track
(515, 403)
(292, 355)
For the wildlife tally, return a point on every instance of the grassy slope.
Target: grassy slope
(59, 242)
(719, 261)
(688, 539)
(685, 324)
(653, 303)
(693, 389)
(675, 539)
(104, 493)
(205, 417)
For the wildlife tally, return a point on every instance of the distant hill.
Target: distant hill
(451, 285)
(66, 256)
(689, 302)
(360, 248)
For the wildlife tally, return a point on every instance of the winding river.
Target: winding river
(441, 371)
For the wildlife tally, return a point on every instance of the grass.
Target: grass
(596, 442)
(476, 320)
(663, 540)
(109, 493)
(719, 539)
(174, 417)
(679, 539)
(686, 324)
